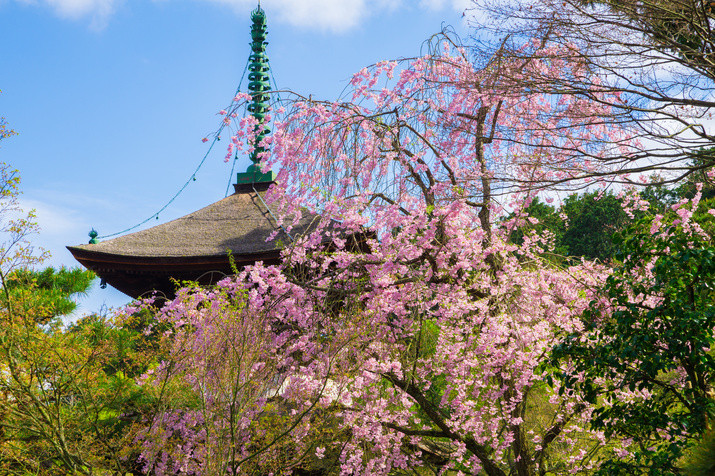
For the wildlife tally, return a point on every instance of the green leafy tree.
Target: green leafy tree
(659, 196)
(593, 218)
(66, 394)
(700, 180)
(47, 293)
(583, 226)
(699, 459)
(645, 357)
(62, 410)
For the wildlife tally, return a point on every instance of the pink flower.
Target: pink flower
(320, 452)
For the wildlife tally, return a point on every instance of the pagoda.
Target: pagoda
(210, 243)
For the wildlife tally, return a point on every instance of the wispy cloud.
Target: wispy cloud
(53, 219)
(328, 15)
(459, 5)
(338, 15)
(97, 11)
(63, 217)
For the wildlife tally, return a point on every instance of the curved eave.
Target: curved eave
(135, 275)
(84, 255)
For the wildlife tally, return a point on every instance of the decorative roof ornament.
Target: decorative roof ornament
(258, 87)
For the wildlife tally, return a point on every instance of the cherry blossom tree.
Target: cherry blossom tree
(405, 319)
(651, 62)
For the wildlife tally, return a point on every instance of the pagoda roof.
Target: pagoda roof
(192, 246)
(240, 223)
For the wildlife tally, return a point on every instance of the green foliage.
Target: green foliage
(659, 196)
(68, 396)
(593, 219)
(4, 130)
(700, 165)
(705, 219)
(47, 293)
(64, 406)
(699, 460)
(645, 358)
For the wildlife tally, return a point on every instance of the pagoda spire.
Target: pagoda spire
(258, 87)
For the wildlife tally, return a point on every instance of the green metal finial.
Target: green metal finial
(93, 237)
(258, 86)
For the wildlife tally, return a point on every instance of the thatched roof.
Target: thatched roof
(191, 246)
(240, 223)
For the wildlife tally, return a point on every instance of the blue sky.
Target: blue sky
(111, 98)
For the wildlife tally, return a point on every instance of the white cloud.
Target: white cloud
(337, 15)
(329, 15)
(53, 219)
(98, 11)
(63, 218)
(458, 5)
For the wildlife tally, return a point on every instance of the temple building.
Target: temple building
(197, 247)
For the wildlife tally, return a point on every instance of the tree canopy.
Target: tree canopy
(445, 314)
